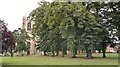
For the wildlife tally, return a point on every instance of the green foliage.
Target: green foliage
(70, 25)
(21, 39)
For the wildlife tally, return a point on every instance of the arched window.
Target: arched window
(29, 26)
(28, 45)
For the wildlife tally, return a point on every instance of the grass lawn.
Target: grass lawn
(112, 59)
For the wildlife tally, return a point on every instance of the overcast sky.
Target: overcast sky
(12, 11)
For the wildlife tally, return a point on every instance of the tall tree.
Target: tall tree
(108, 12)
(21, 39)
(8, 39)
(60, 25)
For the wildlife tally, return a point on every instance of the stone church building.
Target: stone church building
(27, 24)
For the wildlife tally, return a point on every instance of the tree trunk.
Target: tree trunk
(89, 54)
(11, 51)
(53, 53)
(74, 55)
(94, 51)
(104, 55)
(45, 53)
(76, 52)
(57, 53)
(65, 50)
(79, 51)
(99, 51)
(103, 50)
(2, 52)
(63, 53)
(118, 51)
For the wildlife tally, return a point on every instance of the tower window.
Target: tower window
(29, 26)
(28, 45)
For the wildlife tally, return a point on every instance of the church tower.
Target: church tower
(27, 24)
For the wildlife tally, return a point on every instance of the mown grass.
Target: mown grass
(112, 59)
